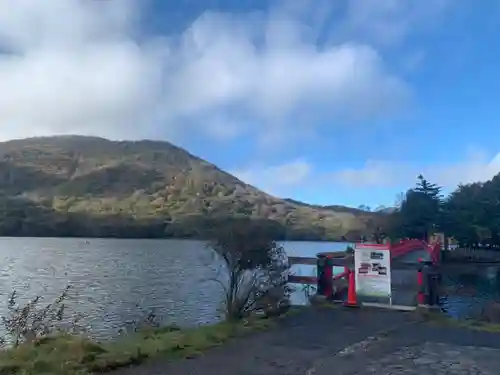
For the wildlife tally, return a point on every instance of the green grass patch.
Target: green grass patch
(323, 303)
(67, 354)
(437, 317)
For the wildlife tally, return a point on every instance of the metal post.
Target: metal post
(328, 277)
(420, 283)
(433, 287)
(431, 284)
(320, 271)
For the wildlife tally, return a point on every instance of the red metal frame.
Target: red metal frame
(407, 246)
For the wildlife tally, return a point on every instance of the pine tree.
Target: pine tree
(429, 189)
(420, 211)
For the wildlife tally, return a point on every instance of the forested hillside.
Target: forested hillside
(88, 186)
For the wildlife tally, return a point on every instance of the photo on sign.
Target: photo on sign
(364, 267)
(376, 255)
(382, 270)
(377, 267)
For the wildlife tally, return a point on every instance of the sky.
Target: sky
(328, 102)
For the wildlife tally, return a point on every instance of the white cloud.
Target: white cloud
(276, 178)
(389, 22)
(71, 67)
(474, 168)
(374, 183)
(91, 74)
(221, 66)
(373, 173)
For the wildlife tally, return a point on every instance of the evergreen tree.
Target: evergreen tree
(420, 211)
(429, 189)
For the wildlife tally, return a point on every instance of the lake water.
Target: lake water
(117, 281)
(469, 289)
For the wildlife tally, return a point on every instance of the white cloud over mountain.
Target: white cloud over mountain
(472, 168)
(96, 72)
(89, 67)
(297, 174)
(276, 178)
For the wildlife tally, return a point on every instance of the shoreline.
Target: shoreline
(63, 353)
(342, 338)
(158, 239)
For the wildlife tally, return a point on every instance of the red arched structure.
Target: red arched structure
(405, 247)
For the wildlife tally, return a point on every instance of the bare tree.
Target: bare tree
(399, 200)
(253, 272)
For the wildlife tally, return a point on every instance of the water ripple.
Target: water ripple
(111, 278)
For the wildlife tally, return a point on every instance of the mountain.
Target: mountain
(89, 186)
(387, 210)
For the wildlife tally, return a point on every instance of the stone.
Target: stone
(424, 361)
(491, 312)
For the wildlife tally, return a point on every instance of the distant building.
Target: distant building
(437, 237)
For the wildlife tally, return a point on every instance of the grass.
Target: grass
(436, 317)
(75, 355)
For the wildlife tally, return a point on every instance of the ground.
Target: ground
(321, 341)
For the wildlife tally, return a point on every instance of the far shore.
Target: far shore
(160, 238)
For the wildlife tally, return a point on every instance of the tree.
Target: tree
(470, 214)
(253, 271)
(399, 200)
(419, 213)
(379, 235)
(461, 216)
(431, 190)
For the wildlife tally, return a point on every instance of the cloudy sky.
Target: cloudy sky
(330, 102)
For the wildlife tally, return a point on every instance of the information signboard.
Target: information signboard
(373, 272)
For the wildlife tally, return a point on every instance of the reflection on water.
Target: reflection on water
(109, 278)
(469, 289)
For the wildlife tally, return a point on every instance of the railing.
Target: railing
(332, 285)
(407, 246)
(334, 261)
(327, 283)
(470, 255)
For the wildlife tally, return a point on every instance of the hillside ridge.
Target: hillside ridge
(100, 182)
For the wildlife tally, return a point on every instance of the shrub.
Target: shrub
(254, 270)
(31, 321)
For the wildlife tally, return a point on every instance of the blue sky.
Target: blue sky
(341, 102)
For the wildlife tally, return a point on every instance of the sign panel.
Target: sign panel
(373, 272)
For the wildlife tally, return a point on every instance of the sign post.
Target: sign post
(372, 267)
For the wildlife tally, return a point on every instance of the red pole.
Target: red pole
(420, 283)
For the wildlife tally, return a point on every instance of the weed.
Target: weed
(33, 320)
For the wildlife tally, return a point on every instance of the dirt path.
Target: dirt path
(326, 341)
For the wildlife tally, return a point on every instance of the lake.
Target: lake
(117, 281)
(467, 289)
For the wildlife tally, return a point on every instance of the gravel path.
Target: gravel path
(342, 341)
